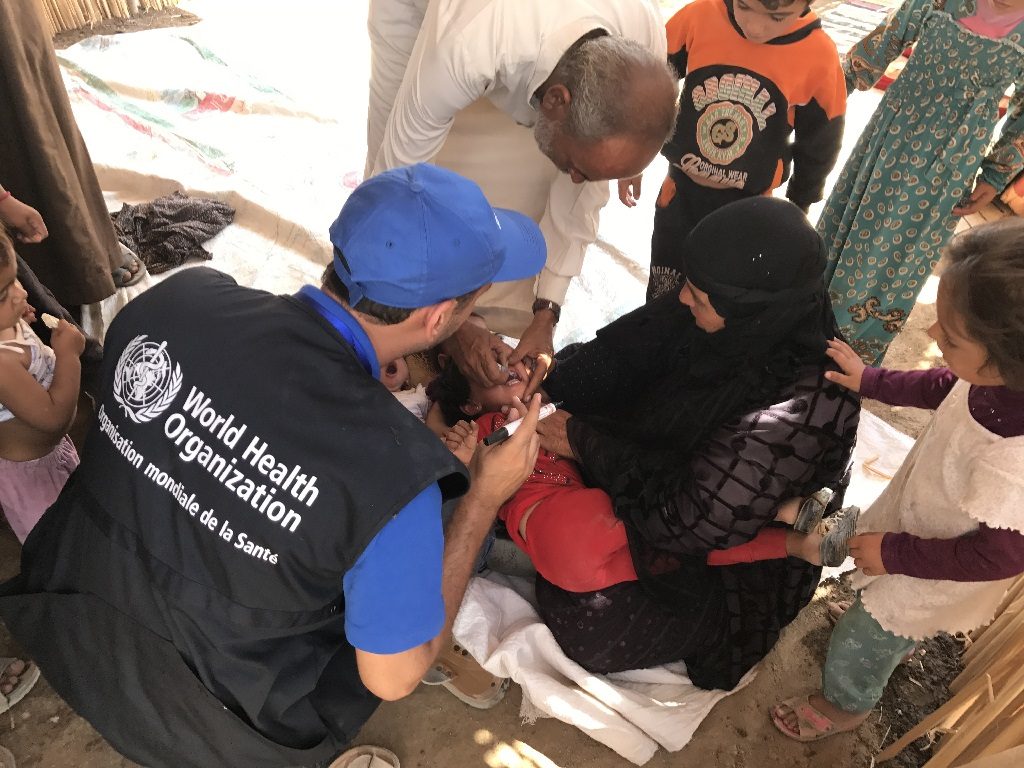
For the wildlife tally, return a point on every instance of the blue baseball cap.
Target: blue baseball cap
(419, 235)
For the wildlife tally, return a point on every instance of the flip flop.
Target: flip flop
(26, 680)
(812, 725)
(835, 544)
(461, 675)
(367, 756)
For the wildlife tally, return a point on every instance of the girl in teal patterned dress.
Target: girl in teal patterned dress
(913, 170)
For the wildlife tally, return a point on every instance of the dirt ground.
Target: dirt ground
(430, 728)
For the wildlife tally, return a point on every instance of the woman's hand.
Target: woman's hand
(866, 551)
(983, 194)
(853, 367)
(554, 434)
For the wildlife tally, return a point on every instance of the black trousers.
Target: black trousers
(674, 219)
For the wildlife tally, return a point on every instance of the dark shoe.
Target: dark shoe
(835, 544)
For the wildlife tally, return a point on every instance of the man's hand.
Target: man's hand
(983, 194)
(23, 219)
(537, 344)
(554, 435)
(479, 354)
(497, 471)
(866, 551)
(853, 367)
(629, 190)
(461, 440)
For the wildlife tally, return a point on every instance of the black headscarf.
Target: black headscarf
(762, 265)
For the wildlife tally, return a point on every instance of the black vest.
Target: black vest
(242, 461)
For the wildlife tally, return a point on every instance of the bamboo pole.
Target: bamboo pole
(64, 15)
(984, 719)
(1012, 758)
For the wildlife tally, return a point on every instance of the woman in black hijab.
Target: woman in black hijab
(699, 415)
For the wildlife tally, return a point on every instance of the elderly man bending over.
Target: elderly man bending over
(462, 82)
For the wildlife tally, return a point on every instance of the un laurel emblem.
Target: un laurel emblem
(145, 380)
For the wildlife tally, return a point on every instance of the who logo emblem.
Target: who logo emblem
(145, 381)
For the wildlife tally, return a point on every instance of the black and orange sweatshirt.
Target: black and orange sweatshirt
(748, 110)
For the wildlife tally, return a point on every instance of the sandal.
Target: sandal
(812, 725)
(123, 275)
(367, 756)
(465, 679)
(835, 544)
(812, 509)
(26, 679)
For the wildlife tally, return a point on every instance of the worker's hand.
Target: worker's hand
(479, 354)
(498, 470)
(23, 219)
(554, 434)
(866, 551)
(66, 339)
(853, 367)
(629, 190)
(983, 194)
(461, 440)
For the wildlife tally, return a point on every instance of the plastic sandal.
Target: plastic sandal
(123, 276)
(367, 756)
(812, 509)
(835, 544)
(465, 679)
(812, 725)
(26, 680)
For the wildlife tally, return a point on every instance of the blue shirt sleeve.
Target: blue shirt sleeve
(393, 598)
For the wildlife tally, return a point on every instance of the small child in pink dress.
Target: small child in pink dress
(38, 397)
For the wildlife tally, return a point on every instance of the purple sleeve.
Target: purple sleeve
(918, 389)
(988, 554)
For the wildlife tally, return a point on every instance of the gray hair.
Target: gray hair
(618, 87)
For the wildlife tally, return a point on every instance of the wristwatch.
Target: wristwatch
(540, 304)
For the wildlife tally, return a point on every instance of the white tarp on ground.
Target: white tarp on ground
(263, 106)
(630, 712)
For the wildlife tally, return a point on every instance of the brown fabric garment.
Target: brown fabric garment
(44, 163)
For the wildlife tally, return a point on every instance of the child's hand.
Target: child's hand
(629, 190)
(461, 440)
(866, 551)
(66, 339)
(853, 367)
(23, 219)
(29, 316)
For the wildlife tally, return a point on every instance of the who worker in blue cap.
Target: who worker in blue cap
(250, 556)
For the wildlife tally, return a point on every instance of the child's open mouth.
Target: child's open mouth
(513, 378)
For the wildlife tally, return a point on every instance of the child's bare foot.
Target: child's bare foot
(806, 546)
(810, 718)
